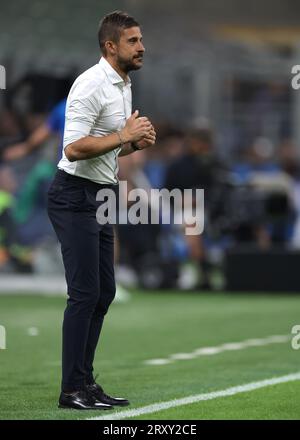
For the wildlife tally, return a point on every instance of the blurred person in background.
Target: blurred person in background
(289, 161)
(9, 129)
(199, 167)
(263, 198)
(141, 244)
(171, 250)
(13, 255)
(30, 207)
(53, 126)
(169, 147)
(136, 241)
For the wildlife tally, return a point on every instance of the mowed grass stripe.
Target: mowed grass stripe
(120, 415)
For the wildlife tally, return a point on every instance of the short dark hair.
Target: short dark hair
(111, 25)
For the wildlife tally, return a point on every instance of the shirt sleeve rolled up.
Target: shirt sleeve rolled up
(83, 107)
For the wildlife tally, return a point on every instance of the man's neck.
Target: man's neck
(115, 66)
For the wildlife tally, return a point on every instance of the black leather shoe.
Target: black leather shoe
(97, 392)
(81, 400)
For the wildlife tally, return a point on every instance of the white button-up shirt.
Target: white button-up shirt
(98, 104)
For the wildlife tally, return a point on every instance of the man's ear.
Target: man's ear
(111, 47)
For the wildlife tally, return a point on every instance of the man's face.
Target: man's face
(130, 49)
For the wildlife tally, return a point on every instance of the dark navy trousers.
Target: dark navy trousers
(88, 256)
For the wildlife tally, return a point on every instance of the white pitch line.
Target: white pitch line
(230, 346)
(198, 398)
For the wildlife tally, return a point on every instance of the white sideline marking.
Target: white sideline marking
(198, 398)
(209, 351)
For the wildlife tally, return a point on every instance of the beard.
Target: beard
(127, 64)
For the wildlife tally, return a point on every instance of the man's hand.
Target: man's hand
(147, 141)
(136, 128)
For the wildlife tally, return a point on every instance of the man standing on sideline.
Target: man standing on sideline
(99, 127)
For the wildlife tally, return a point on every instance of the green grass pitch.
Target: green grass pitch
(155, 325)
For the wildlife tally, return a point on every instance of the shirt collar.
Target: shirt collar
(111, 73)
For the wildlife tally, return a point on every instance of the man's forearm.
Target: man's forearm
(91, 146)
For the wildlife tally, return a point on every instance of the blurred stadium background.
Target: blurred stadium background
(216, 83)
